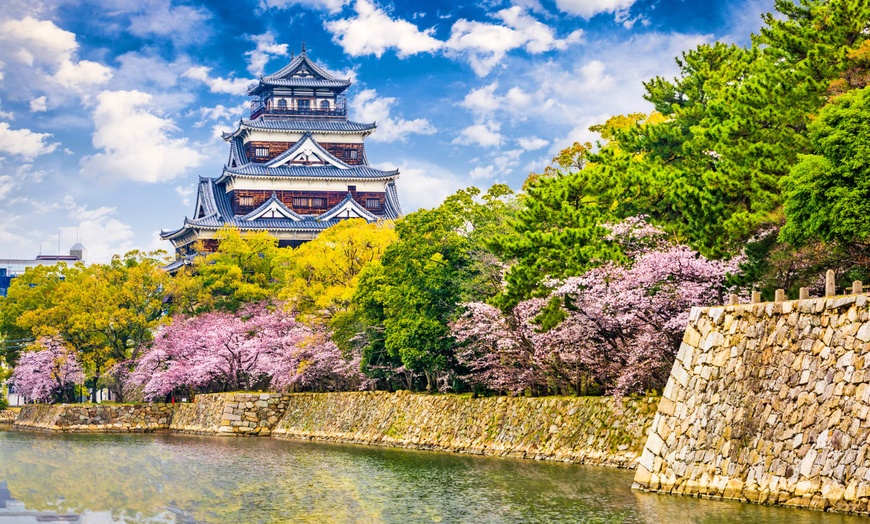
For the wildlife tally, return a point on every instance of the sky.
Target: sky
(110, 110)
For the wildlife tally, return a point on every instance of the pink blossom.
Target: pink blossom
(49, 374)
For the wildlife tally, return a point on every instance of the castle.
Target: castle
(295, 167)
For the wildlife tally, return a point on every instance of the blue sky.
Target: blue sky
(111, 109)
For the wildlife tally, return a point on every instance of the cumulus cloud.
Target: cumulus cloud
(266, 50)
(367, 106)
(372, 31)
(485, 134)
(38, 105)
(24, 142)
(531, 143)
(137, 142)
(590, 8)
(422, 184)
(486, 44)
(230, 86)
(333, 6)
(39, 52)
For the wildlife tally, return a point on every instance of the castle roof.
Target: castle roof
(300, 126)
(300, 72)
(306, 159)
(214, 210)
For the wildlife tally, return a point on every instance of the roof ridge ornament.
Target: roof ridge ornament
(304, 52)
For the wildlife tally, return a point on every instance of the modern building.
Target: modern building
(12, 267)
(295, 167)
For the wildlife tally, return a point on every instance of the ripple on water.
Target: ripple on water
(208, 479)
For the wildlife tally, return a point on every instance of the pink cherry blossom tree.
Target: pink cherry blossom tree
(48, 374)
(620, 327)
(260, 347)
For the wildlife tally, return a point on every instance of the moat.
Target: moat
(177, 478)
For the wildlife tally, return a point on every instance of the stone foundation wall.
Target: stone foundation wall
(588, 430)
(95, 418)
(768, 403)
(230, 414)
(8, 416)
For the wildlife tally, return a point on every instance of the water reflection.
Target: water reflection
(143, 478)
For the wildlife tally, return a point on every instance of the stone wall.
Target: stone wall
(8, 416)
(768, 403)
(230, 414)
(95, 418)
(588, 430)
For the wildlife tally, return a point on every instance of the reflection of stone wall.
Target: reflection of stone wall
(768, 403)
(230, 414)
(585, 430)
(7, 416)
(95, 418)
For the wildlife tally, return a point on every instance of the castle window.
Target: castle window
(246, 201)
(282, 104)
(304, 105)
(351, 188)
(309, 202)
(350, 154)
(373, 203)
(261, 152)
(324, 104)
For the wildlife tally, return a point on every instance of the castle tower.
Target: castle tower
(295, 167)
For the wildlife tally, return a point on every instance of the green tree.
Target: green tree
(105, 312)
(827, 194)
(406, 301)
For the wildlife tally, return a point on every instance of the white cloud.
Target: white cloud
(38, 105)
(333, 6)
(137, 143)
(41, 52)
(38, 40)
(219, 112)
(82, 75)
(485, 134)
(266, 50)
(102, 235)
(590, 8)
(423, 185)
(24, 142)
(372, 31)
(186, 193)
(367, 106)
(180, 23)
(485, 45)
(531, 143)
(482, 173)
(231, 86)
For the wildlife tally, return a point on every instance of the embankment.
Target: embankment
(587, 430)
(8, 416)
(95, 418)
(768, 403)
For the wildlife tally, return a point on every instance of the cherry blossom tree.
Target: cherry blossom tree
(260, 347)
(48, 374)
(617, 325)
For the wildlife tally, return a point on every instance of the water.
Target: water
(190, 479)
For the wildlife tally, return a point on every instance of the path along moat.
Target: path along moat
(172, 478)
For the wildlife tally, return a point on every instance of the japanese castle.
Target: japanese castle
(296, 167)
